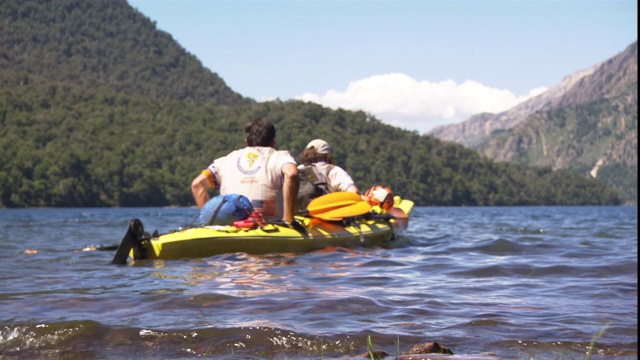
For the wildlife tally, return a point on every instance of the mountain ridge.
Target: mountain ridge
(484, 124)
(478, 127)
(587, 124)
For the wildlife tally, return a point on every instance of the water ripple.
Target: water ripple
(530, 282)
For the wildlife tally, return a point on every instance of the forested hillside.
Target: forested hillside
(71, 47)
(99, 108)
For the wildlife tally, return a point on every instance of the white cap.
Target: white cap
(321, 146)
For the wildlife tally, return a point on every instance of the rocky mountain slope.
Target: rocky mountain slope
(588, 124)
(480, 127)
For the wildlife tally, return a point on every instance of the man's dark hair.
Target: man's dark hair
(310, 156)
(260, 132)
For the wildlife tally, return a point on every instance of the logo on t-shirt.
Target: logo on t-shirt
(250, 161)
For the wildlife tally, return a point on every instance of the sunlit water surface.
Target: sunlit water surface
(509, 282)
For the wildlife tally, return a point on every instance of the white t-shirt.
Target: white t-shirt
(255, 172)
(336, 178)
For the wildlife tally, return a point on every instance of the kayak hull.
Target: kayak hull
(313, 234)
(210, 241)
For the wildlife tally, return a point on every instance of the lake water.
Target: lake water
(504, 282)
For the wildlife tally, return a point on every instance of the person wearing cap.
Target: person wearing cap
(318, 157)
(266, 176)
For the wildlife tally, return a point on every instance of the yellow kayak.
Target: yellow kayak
(312, 233)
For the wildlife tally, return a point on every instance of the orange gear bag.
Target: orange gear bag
(380, 196)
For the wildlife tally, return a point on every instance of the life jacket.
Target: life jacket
(313, 184)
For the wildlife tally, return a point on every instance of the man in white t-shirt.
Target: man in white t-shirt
(266, 176)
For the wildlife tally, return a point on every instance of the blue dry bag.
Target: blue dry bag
(224, 210)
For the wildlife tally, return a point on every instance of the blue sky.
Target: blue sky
(415, 64)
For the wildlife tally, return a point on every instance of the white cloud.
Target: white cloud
(402, 101)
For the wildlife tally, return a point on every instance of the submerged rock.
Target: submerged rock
(428, 348)
(430, 351)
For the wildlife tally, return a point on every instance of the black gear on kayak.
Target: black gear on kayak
(311, 186)
(132, 240)
(139, 251)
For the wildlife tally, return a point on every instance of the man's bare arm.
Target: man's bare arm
(200, 190)
(290, 191)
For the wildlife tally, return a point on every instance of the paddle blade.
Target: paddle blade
(122, 252)
(133, 234)
(326, 207)
(325, 202)
(356, 209)
(405, 205)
